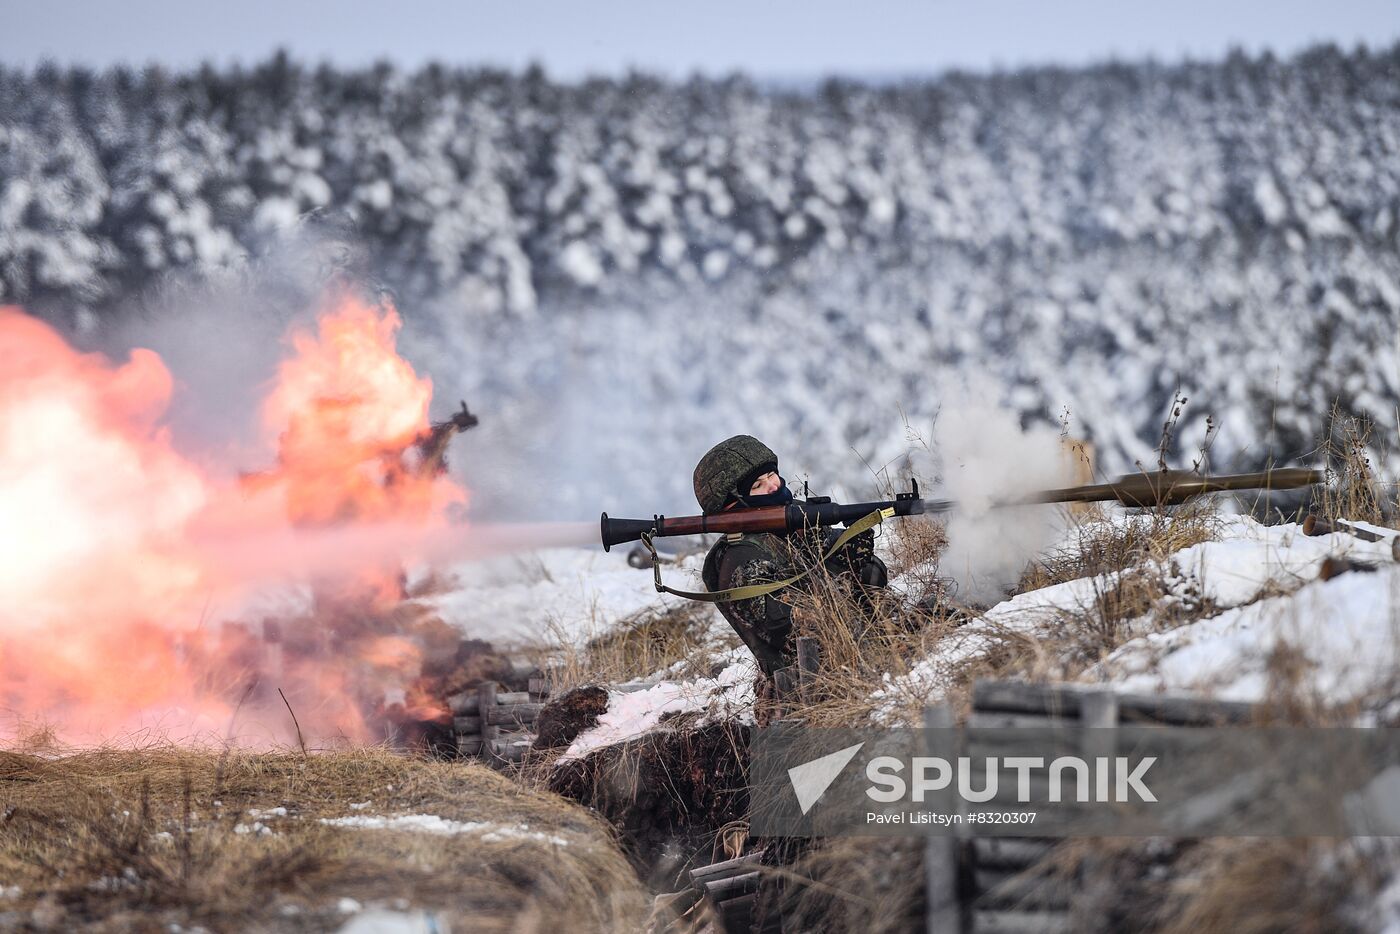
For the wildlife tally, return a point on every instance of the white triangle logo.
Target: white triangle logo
(810, 780)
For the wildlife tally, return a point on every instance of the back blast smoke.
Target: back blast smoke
(984, 455)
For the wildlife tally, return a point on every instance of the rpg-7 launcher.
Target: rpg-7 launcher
(1144, 490)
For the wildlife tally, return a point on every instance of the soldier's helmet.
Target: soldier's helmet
(729, 469)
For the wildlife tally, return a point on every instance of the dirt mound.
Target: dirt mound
(667, 793)
(568, 715)
(155, 839)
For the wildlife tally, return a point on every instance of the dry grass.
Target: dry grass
(1356, 491)
(857, 884)
(1127, 564)
(681, 637)
(1262, 886)
(915, 545)
(141, 840)
(865, 642)
(1096, 546)
(862, 639)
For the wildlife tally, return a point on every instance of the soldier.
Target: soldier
(742, 473)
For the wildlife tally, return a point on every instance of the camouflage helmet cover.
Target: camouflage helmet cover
(725, 465)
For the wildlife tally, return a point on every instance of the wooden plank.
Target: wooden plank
(1023, 697)
(1038, 786)
(469, 702)
(466, 724)
(1007, 888)
(729, 867)
(1060, 700)
(1020, 922)
(1001, 720)
(537, 687)
(942, 912)
(273, 664)
(1096, 890)
(513, 714)
(1100, 713)
(1004, 744)
(463, 703)
(1009, 851)
(1099, 709)
(469, 745)
(512, 749)
(808, 661)
(632, 687)
(721, 890)
(486, 701)
(737, 913)
(1181, 711)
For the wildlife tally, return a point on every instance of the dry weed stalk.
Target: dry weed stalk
(916, 544)
(1356, 493)
(638, 647)
(1260, 886)
(1128, 562)
(857, 884)
(865, 636)
(1097, 545)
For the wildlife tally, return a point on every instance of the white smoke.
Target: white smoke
(985, 457)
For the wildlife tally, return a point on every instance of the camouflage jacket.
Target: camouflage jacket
(765, 623)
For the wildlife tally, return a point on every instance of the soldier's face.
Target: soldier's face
(768, 483)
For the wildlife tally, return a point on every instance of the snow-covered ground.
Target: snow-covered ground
(1261, 582)
(1348, 628)
(490, 831)
(1264, 578)
(727, 696)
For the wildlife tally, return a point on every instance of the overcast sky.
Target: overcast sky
(774, 38)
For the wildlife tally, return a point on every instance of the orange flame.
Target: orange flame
(345, 410)
(103, 588)
(92, 498)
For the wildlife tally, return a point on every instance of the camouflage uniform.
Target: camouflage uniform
(723, 475)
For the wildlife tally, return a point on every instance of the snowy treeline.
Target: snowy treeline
(627, 270)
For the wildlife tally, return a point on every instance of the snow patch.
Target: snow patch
(490, 831)
(730, 695)
(1347, 628)
(557, 594)
(1263, 577)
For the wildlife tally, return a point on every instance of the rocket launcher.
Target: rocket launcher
(1142, 490)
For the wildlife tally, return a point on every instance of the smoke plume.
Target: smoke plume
(986, 456)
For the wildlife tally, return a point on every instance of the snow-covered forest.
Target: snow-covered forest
(620, 272)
